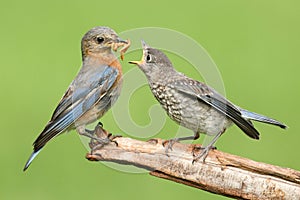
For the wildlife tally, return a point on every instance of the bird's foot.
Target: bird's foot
(98, 145)
(203, 152)
(101, 137)
(92, 134)
(168, 144)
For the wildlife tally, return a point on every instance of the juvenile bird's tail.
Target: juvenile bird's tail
(32, 156)
(261, 118)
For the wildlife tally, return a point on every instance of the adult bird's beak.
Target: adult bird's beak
(120, 40)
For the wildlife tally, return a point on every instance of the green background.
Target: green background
(255, 45)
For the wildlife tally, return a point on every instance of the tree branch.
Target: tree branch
(222, 173)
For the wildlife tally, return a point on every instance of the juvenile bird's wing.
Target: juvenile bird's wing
(86, 90)
(208, 95)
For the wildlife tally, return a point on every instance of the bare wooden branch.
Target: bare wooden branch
(222, 173)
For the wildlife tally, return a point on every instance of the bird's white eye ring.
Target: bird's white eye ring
(148, 58)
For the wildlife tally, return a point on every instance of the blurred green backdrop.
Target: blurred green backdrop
(254, 43)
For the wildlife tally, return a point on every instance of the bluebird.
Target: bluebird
(93, 91)
(193, 104)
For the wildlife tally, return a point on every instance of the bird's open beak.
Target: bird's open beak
(139, 63)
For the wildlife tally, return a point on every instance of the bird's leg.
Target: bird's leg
(205, 150)
(92, 132)
(169, 143)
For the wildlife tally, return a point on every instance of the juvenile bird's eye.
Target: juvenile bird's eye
(100, 40)
(148, 58)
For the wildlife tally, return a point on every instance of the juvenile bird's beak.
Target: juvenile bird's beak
(144, 45)
(136, 62)
(139, 63)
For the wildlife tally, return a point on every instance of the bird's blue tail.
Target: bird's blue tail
(32, 156)
(261, 118)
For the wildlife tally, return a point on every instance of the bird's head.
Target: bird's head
(100, 39)
(153, 62)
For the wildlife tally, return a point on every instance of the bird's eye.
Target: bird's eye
(148, 58)
(100, 40)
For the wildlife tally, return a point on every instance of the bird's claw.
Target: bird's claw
(168, 144)
(100, 124)
(203, 153)
(113, 137)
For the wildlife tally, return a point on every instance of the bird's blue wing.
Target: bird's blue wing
(208, 95)
(86, 90)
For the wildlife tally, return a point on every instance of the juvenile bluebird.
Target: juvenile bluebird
(93, 91)
(193, 104)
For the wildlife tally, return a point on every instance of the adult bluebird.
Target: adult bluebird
(93, 91)
(193, 104)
